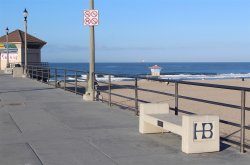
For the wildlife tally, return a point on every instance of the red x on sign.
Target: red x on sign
(91, 17)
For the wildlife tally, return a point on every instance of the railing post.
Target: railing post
(65, 79)
(36, 73)
(55, 78)
(93, 86)
(242, 133)
(48, 71)
(176, 98)
(136, 97)
(109, 90)
(76, 82)
(32, 72)
(42, 75)
(26, 72)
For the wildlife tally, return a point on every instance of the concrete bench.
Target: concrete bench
(200, 133)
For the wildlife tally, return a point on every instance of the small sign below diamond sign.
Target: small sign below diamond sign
(91, 17)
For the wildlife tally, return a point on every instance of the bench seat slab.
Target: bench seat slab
(166, 122)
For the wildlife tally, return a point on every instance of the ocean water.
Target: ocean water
(176, 71)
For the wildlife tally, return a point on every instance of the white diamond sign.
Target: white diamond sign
(91, 17)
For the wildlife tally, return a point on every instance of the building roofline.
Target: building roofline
(17, 36)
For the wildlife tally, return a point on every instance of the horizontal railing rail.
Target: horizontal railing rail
(21, 64)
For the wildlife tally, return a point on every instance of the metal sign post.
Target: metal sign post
(91, 20)
(7, 44)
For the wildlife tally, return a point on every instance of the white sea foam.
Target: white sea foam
(105, 78)
(205, 77)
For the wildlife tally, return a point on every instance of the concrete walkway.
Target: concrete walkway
(43, 125)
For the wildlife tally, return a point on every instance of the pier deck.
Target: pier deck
(43, 125)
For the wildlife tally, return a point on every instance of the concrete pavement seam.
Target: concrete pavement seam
(32, 149)
(98, 149)
(19, 129)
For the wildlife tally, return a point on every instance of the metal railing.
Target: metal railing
(21, 64)
(72, 80)
(59, 78)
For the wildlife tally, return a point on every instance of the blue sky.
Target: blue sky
(136, 30)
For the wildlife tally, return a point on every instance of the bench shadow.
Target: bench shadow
(224, 146)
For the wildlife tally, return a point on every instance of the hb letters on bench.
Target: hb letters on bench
(207, 133)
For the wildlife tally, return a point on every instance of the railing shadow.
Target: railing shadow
(80, 90)
(113, 86)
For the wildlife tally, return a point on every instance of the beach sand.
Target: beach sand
(231, 115)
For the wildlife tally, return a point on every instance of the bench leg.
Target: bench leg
(151, 108)
(200, 134)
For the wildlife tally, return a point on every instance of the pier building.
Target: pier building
(16, 49)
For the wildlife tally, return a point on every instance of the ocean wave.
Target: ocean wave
(105, 78)
(205, 77)
(101, 78)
